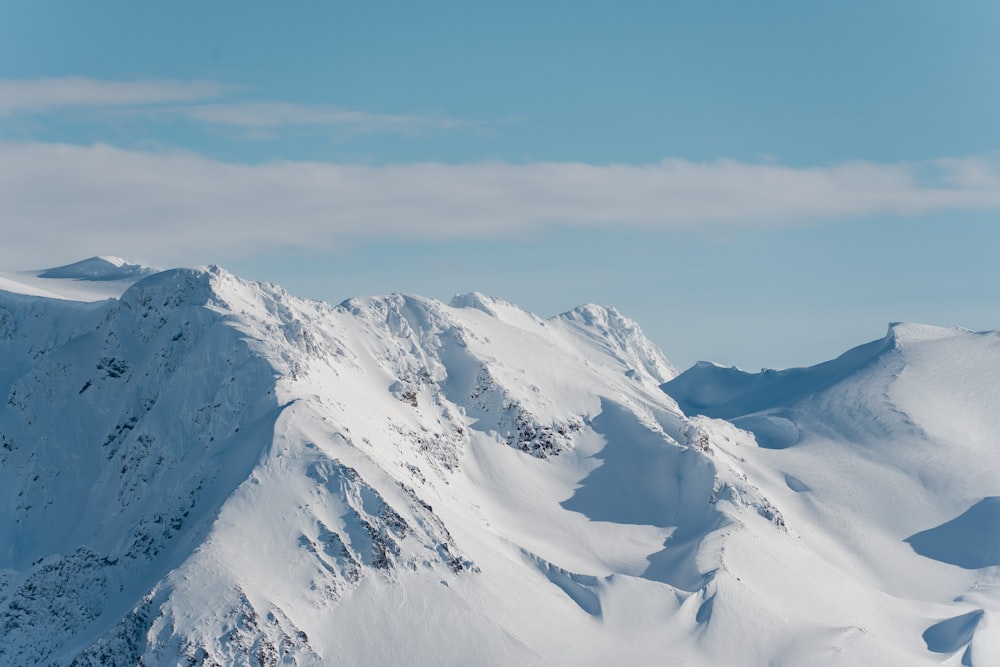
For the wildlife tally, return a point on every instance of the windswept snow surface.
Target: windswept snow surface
(891, 469)
(209, 471)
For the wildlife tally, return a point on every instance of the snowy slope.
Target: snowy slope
(211, 471)
(889, 455)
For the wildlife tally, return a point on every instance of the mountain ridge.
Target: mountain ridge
(210, 470)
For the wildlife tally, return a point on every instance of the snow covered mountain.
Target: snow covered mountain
(204, 470)
(891, 472)
(92, 279)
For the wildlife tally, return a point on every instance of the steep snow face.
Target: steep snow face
(889, 454)
(622, 339)
(211, 471)
(125, 426)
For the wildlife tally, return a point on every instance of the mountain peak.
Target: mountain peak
(625, 338)
(99, 268)
(902, 333)
(490, 305)
(89, 280)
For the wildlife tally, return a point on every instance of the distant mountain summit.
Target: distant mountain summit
(92, 279)
(204, 470)
(97, 268)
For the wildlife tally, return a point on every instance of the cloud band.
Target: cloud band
(170, 207)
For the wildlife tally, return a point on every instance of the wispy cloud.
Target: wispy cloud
(46, 95)
(278, 114)
(182, 207)
(203, 102)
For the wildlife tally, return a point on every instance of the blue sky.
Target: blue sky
(760, 184)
